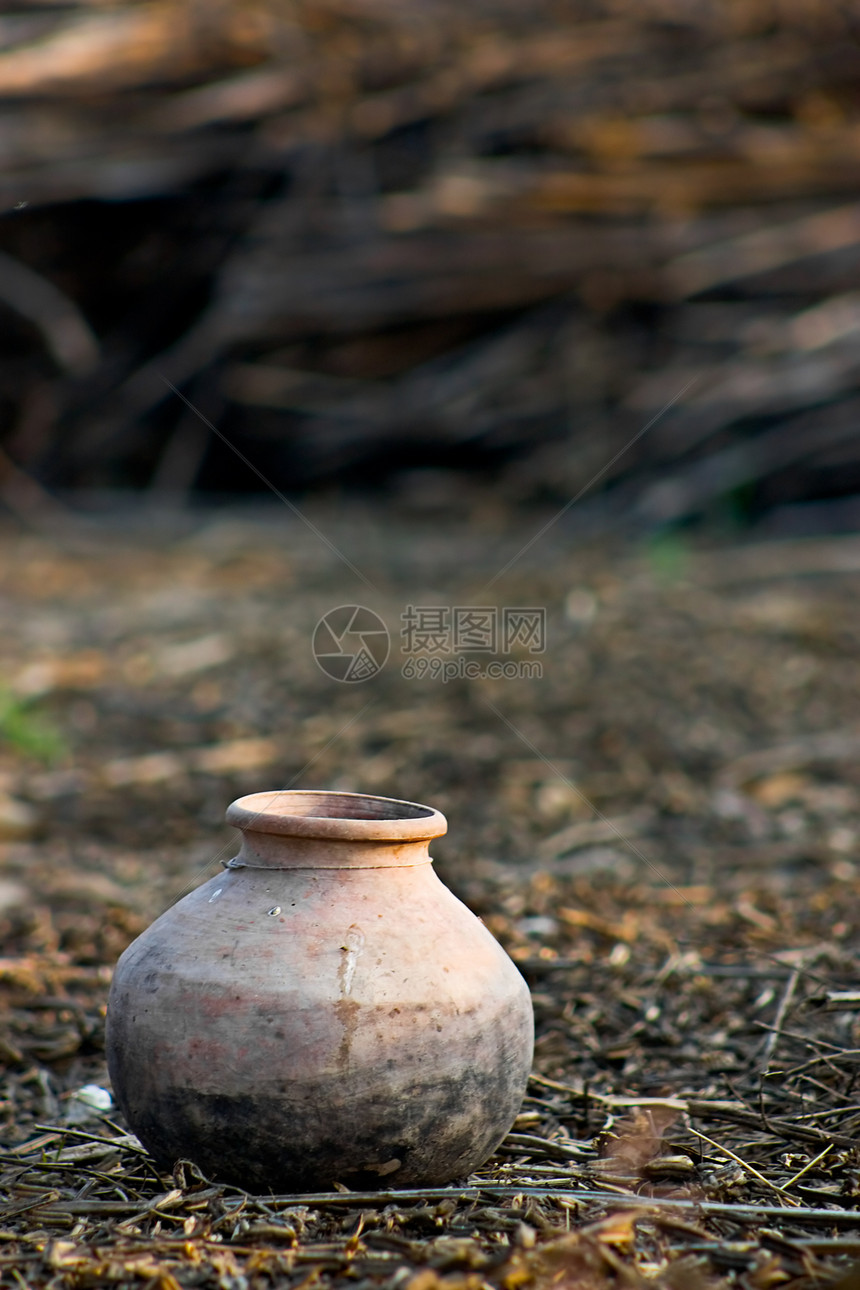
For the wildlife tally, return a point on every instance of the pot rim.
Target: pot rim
(327, 813)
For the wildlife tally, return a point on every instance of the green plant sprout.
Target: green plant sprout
(27, 731)
(668, 555)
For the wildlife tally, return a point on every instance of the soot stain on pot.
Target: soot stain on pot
(251, 1141)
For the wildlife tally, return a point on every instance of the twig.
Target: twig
(747, 1212)
(546, 1147)
(67, 334)
(765, 249)
(784, 1004)
(750, 1169)
(806, 1168)
(707, 1110)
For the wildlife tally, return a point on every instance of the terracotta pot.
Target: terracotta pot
(325, 1010)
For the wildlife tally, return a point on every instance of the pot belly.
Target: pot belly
(288, 1030)
(291, 1100)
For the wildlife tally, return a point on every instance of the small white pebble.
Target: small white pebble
(580, 607)
(537, 925)
(94, 1095)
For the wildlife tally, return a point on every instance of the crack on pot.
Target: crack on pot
(346, 1009)
(351, 949)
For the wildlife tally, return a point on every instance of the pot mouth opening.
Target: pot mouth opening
(330, 814)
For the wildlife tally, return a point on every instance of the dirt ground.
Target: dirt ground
(661, 829)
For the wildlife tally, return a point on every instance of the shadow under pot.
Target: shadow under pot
(323, 1011)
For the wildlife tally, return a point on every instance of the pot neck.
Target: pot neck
(272, 851)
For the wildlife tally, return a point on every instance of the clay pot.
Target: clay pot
(325, 1010)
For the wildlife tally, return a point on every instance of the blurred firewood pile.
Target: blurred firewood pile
(364, 237)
